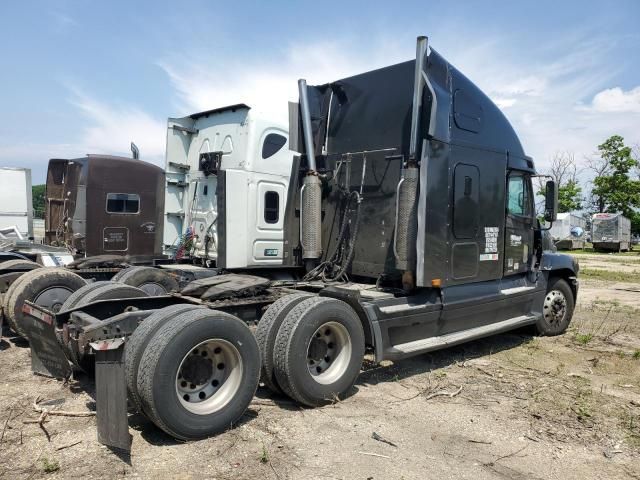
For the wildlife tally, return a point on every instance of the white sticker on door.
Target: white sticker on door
(491, 239)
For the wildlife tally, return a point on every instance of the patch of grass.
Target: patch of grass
(636, 355)
(631, 425)
(264, 457)
(588, 250)
(584, 338)
(610, 275)
(50, 465)
(606, 303)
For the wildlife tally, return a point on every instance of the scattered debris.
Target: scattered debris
(482, 442)
(492, 463)
(69, 445)
(59, 413)
(444, 393)
(377, 437)
(4, 428)
(374, 454)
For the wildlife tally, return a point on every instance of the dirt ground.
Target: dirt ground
(512, 406)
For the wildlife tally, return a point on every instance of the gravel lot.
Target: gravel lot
(512, 406)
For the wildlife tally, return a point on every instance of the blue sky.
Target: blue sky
(82, 76)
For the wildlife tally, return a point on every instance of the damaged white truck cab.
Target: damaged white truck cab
(226, 168)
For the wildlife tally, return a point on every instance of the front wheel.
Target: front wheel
(557, 308)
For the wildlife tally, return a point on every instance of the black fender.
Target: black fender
(561, 265)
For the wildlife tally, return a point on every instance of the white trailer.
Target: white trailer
(568, 231)
(16, 206)
(247, 196)
(611, 231)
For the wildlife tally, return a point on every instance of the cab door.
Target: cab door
(518, 241)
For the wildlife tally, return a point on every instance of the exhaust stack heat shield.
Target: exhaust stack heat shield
(310, 217)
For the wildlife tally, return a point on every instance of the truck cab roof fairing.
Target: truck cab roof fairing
(373, 110)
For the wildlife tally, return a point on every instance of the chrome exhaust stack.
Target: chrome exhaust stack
(406, 227)
(311, 190)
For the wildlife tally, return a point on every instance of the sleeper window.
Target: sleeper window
(123, 203)
(272, 144)
(271, 207)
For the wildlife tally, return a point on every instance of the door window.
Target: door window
(519, 197)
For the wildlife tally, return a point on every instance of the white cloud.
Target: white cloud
(111, 128)
(62, 22)
(617, 100)
(541, 92)
(544, 99)
(204, 82)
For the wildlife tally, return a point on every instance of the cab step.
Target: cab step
(435, 343)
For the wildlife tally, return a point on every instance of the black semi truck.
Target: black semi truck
(409, 227)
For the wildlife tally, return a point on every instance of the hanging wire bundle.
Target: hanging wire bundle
(185, 244)
(335, 268)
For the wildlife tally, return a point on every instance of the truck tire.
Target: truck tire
(138, 341)
(70, 303)
(152, 280)
(117, 276)
(319, 351)
(557, 308)
(19, 263)
(75, 297)
(214, 350)
(267, 331)
(85, 360)
(6, 311)
(47, 287)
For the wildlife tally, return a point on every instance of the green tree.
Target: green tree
(37, 194)
(569, 197)
(564, 172)
(614, 190)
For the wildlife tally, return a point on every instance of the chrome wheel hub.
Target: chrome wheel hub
(329, 352)
(555, 307)
(209, 376)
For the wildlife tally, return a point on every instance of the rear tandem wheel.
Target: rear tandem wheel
(319, 351)
(199, 373)
(152, 280)
(93, 292)
(47, 287)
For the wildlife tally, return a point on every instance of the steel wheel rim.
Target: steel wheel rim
(329, 352)
(153, 289)
(555, 307)
(203, 389)
(52, 298)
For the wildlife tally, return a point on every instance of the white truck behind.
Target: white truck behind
(568, 231)
(16, 207)
(247, 197)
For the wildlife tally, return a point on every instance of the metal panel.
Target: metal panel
(111, 399)
(47, 358)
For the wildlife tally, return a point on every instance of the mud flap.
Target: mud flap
(111, 398)
(47, 358)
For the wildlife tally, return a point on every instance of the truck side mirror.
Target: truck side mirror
(551, 201)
